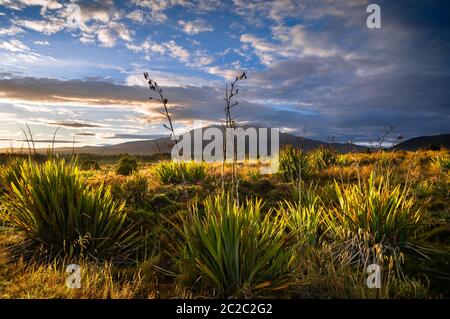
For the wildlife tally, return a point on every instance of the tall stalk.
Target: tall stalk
(231, 90)
(153, 86)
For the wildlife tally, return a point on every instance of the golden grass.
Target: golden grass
(318, 275)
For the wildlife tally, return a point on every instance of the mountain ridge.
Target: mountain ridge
(163, 145)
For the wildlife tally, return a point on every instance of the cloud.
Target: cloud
(106, 38)
(312, 65)
(14, 46)
(38, 141)
(21, 4)
(255, 11)
(43, 43)
(85, 134)
(137, 16)
(134, 136)
(50, 26)
(11, 31)
(195, 27)
(290, 42)
(157, 8)
(73, 124)
(166, 79)
(177, 51)
(326, 99)
(108, 35)
(170, 48)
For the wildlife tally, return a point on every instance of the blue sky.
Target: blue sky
(314, 68)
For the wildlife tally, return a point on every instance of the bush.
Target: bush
(232, 249)
(303, 218)
(135, 190)
(293, 164)
(323, 157)
(127, 166)
(173, 172)
(374, 220)
(9, 171)
(89, 165)
(443, 163)
(343, 160)
(60, 217)
(434, 147)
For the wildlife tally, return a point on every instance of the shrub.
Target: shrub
(127, 166)
(232, 249)
(135, 190)
(323, 157)
(303, 218)
(443, 163)
(9, 171)
(374, 220)
(293, 164)
(90, 165)
(173, 172)
(61, 217)
(434, 147)
(343, 160)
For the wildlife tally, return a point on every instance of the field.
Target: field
(150, 228)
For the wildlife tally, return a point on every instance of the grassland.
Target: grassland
(175, 230)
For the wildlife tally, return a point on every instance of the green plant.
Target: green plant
(60, 217)
(442, 162)
(127, 166)
(434, 147)
(323, 157)
(232, 249)
(178, 172)
(8, 171)
(343, 160)
(89, 165)
(135, 190)
(303, 218)
(293, 163)
(374, 220)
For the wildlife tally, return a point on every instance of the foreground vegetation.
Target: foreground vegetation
(143, 229)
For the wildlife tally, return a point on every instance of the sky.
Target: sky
(314, 68)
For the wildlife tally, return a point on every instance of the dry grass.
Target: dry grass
(317, 274)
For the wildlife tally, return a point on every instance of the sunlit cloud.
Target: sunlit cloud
(313, 67)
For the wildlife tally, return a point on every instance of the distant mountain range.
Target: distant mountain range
(163, 145)
(424, 142)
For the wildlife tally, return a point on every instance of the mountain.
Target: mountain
(424, 142)
(163, 145)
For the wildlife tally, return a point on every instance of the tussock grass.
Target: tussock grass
(374, 221)
(60, 217)
(294, 164)
(233, 250)
(173, 172)
(313, 238)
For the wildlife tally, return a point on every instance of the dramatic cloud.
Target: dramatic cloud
(313, 67)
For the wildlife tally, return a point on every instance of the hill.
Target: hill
(163, 145)
(424, 142)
